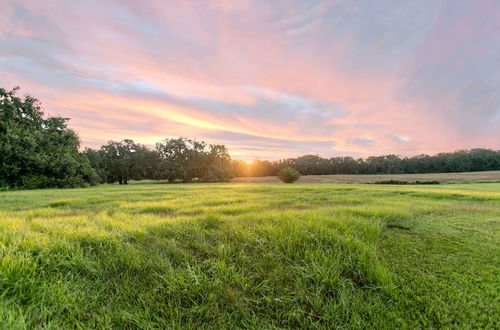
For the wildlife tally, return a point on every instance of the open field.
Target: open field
(369, 178)
(251, 255)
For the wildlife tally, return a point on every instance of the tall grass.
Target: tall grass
(250, 256)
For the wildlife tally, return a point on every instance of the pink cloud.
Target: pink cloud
(124, 70)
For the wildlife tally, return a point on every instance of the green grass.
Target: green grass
(251, 256)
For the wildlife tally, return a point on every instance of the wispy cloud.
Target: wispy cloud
(268, 79)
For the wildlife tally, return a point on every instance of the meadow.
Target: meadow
(243, 255)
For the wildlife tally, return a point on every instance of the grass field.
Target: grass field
(461, 177)
(251, 256)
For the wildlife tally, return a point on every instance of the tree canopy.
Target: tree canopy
(187, 160)
(458, 161)
(174, 160)
(38, 151)
(123, 161)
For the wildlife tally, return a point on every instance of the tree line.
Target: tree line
(39, 151)
(174, 160)
(458, 161)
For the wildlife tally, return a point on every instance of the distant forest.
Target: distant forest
(38, 151)
(458, 161)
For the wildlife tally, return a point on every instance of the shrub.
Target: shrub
(391, 182)
(288, 175)
(405, 182)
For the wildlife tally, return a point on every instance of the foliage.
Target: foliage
(38, 151)
(188, 160)
(233, 256)
(218, 164)
(458, 161)
(392, 181)
(174, 160)
(122, 161)
(288, 175)
(428, 182)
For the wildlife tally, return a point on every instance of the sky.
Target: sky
(269, 79)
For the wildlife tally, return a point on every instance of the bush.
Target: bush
(405, 182)
(288, 175)
(391, 182)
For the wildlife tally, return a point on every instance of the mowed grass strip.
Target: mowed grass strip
(464, 177)
(251, 256)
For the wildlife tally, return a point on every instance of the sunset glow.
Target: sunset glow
(267, 79)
